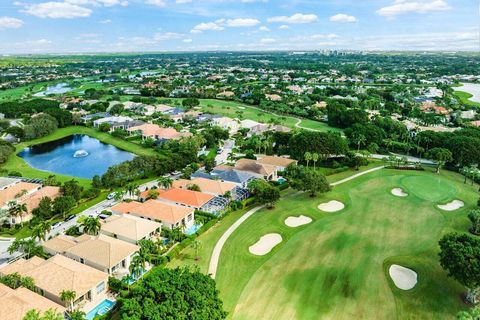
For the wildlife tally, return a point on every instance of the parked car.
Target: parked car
(111, 196)
(71, 217)
(56, 225)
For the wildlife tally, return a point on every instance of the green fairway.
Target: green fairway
(15, 163)
(337, 266)
(464, 98)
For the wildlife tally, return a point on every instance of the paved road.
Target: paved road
(400, 156)
(217, 250)
(226, 150)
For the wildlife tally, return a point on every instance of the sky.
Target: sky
(76, 26)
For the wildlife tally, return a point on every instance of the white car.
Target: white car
(111, 196)
(56, 225)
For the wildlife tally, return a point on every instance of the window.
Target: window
(190, 217)
(101, 287)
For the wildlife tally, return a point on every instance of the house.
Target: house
(188, 198)
(273, 97)
(226, 95)
(224, 173)
(279, 163)
(60, 273)
(107, 254)
(16, 191)
(169, 215)
(261, 171)
(248, 124)
(22, 300)
(214, 187)
(155, 132)
(129, 228)
(226, 123)
(119, 122)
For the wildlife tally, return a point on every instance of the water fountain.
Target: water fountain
(80, 153)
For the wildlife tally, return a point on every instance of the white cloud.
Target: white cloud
(106, 3)
(407, 6)
(167, 36)
(187, 40)
(10, 23)
(56, 10)
(284, 27)
(263, 29)
(268, 41)
(182, 1)
(246, 22)
(341, 17)
(207, 26)
(107, 21)
(297, 18)
(158, 3)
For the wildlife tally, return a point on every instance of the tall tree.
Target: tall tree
(91, 225)
(68, 296)
(441, 156)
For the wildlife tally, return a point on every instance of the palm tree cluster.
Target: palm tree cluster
(314, 157)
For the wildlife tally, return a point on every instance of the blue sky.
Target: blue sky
(64, 26)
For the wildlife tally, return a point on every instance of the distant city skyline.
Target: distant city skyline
(76, 26)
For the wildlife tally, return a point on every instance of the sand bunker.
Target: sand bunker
(294, 222)
(265, 244)
(398, 192)
(451, 206)
(331, 206)
(403, 278)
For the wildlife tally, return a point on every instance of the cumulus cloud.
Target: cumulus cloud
(56, 10)
(158, 3)
(344, 18)
(407, 6)
(247, 22)
(297, 18)
(221, 24)
(10, 23)
(207, 26)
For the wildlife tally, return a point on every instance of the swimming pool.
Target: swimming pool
(193, 229)
(100, 309)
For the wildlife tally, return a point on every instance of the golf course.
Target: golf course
(336, 264)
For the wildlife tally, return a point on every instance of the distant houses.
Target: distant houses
(118, 122)
(155, 132)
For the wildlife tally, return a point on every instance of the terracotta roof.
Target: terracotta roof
(206, 185)
(57, 274)
(22, 300)
(153, 130)
(160, 211)
(130, 227)
(276, 161)
(33, 200)
(187, 197)
(125, 207)
(252, 166)
(9, 193)
(102, 250)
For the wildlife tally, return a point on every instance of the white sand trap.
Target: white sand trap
(451, 206)
(331, 206)
(398, 192)
(265, 244)
(403, 278)
(294, 222)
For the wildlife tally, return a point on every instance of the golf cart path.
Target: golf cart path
(217, 250)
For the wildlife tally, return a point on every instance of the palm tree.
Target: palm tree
(13, 209)
(22, 208)
(118, 196)
(196, 245)
(32, 315)
(315, 158)
(132, 188)
(68, 296)
(51, 314)
(77, 315)
(307, 157)
(91, 225)
(165, 182)
(28, 282)
(41, 230)
(359, 139)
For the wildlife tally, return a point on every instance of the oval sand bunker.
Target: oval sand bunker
(451, 206)
(265, 244)
(398, 192)
(404, 278)
(294, 222)
(331, 206)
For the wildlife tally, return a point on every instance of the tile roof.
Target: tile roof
(206, 185)
(12, 191)
(250, 165)
(187, 197)
(22, 300)
(102, 250)
(130, 227)
(157, 210)
(276, 161)
(57, 274)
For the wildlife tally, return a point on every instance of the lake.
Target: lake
(472, 88)
(77, 155)
(56, 89)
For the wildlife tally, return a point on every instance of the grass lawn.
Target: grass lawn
(464, 98)
(230, 109)
(15, 163)
(336, 267)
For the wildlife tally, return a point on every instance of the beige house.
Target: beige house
(279, 162)
(60, 273)
(259, 170)
(15, 303)
(130, 228)
(170, 215)
(104, 253)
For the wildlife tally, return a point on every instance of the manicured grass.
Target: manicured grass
(336, 267)
(464, 98)
(15, 163)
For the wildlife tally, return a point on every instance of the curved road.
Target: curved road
(217, 250)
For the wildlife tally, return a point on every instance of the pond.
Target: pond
(56, 89)
(77, 155)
